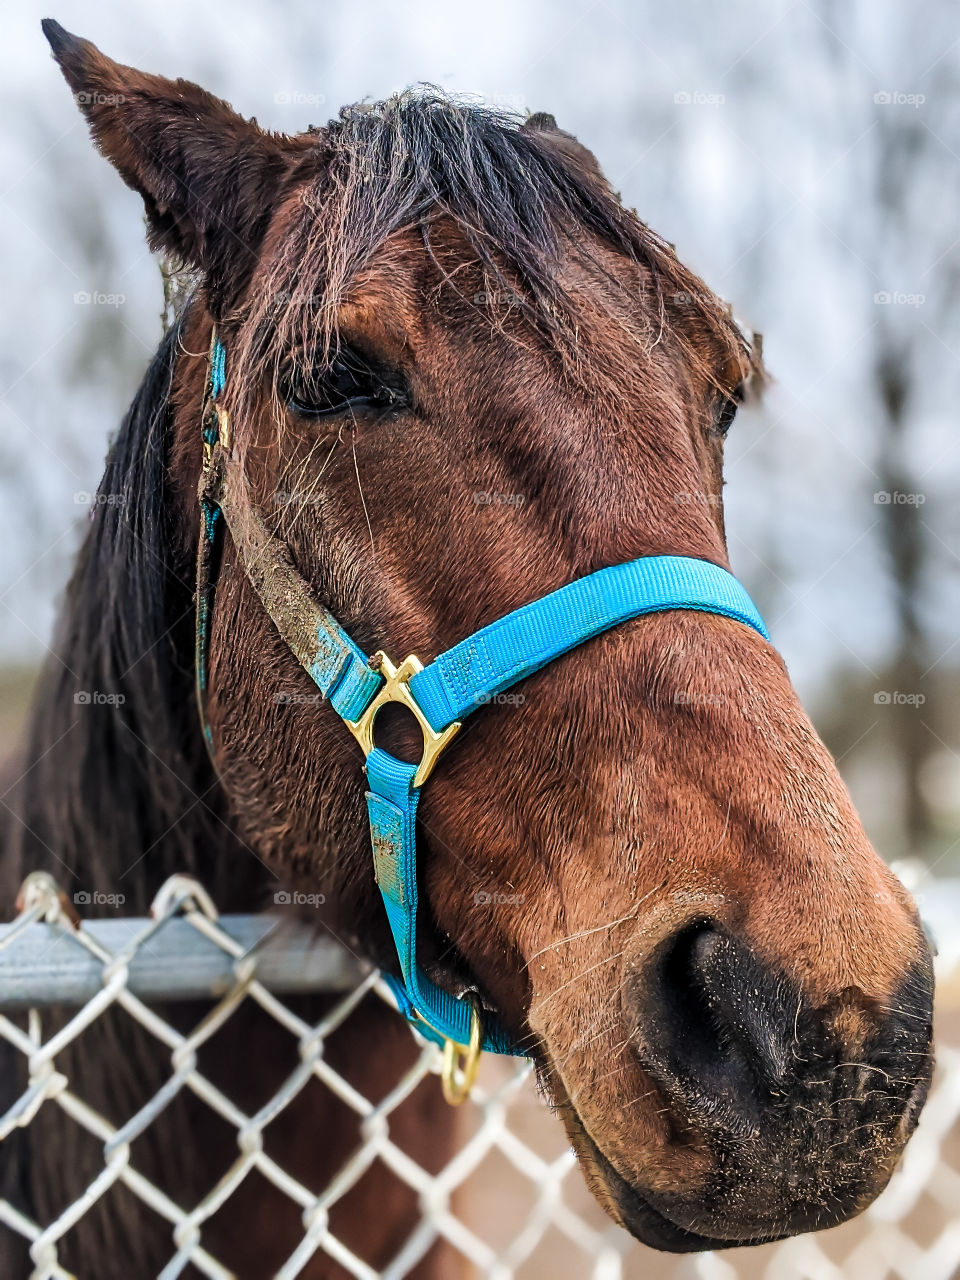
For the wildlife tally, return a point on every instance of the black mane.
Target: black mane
(114, 791)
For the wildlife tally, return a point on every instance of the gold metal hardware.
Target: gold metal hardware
(397, 689)
(216, 415)
(223, 427)
(462, 1062)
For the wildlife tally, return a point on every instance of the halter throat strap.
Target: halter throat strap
(440, 695)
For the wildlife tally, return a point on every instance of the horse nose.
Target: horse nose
(712, 1028)
(779, 1093)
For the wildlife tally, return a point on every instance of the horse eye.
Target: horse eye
(347, 383)
(725, 416)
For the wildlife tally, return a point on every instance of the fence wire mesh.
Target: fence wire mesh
(912, 1232)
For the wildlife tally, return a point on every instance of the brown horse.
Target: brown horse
(461, 376)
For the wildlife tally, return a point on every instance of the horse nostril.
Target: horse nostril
(712, 1027)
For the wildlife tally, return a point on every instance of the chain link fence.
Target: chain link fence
(510, 1201)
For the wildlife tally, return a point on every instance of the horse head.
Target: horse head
(461, 375)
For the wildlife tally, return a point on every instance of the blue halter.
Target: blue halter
(440, 695)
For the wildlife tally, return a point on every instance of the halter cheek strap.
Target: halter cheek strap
(440, 695)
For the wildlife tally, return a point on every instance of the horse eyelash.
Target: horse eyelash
(726, 412)
(306, 371)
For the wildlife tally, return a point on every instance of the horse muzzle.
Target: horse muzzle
(774, 1117)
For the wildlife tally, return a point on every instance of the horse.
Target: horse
(461, 375)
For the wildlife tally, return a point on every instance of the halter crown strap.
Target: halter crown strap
(455, 684)
(335, 664)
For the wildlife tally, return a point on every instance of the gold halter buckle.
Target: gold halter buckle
(462, 1062)
(216, 416)
(397, 689)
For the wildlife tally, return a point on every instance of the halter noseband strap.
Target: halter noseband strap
(440, 695)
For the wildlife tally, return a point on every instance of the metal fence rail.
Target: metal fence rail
(46, 956)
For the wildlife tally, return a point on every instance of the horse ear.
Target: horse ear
(573, 150)
(208, 178)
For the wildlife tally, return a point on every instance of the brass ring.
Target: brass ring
(462, 1062)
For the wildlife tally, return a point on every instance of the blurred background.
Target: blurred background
(805, 160)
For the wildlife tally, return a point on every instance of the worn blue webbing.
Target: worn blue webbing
(218, 368)
(392, 804)
(340, 670)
